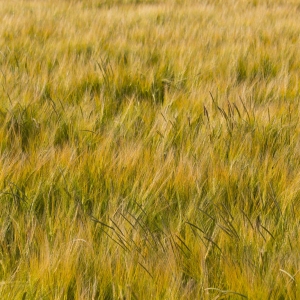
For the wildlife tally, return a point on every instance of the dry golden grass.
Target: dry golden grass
(149, 149)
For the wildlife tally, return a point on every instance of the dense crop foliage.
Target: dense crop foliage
(149, 149)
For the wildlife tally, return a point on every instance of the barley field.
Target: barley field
(149, 149)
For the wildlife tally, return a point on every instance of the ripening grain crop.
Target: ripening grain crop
(149, 149)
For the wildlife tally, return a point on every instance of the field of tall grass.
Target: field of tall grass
(149, 149)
